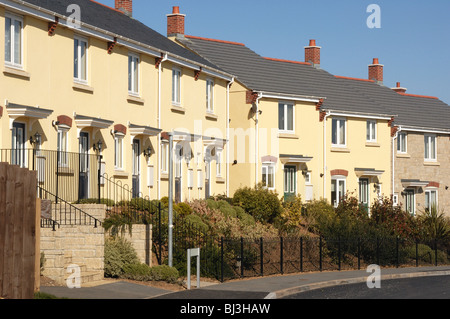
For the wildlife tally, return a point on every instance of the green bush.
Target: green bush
(138, 272)
(143, 272)
(261, 203)
(183, 209)
(104, 201)
(118, 253)
(164, 273)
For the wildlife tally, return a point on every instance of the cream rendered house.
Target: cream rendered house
(72, 91)
(298, 129)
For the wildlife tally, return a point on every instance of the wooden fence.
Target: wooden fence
(19, 232)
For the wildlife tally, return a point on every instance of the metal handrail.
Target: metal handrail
(64, 213)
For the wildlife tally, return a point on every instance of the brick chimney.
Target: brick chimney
(399, 89)
(126, 6)
(175, 23)
(376, 71)
(312, 54)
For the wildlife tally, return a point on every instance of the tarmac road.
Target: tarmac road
(429, 288)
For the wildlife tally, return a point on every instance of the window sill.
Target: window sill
(211, 116)
(220, 180)
(164, 176)
(288, 136)
(431, 163)
(372, 144)
(178, 109)
(119, 173)
(83, 87)
(403, 155)
(340, 149)
(12, 71)
(135, 99)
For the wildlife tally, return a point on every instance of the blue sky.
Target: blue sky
(413, 42)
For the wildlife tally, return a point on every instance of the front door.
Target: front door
(18, 145)
(364, 194)
(290, 182)
(136, 168)
(83, 189)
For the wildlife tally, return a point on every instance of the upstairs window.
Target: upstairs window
(176, 87)
(13, 40)
(286, 117)
(430, 148)
(80, 51)
(133, 74)
(402, 143)
(338, 131)
(371, 135)
(210, 95)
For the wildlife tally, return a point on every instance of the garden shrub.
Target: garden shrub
(164, 273)
(261, 203)
(182, 209)
(118, 253)
(143, 272)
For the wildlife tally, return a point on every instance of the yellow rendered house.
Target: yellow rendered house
(298, 129)
(89, 103)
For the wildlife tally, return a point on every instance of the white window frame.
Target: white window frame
(219, 161)
(371, 131)
(402, 139)
(12, 62)
(210, 95)
(413, 212)
(266, 168)
(339, 120)
(134, 62)
(165, 158)
(428, 138)
(63, 145)
(428, 193)
(339, 196)
(118, 152)
(77, 64)
(176, 86)
(285, 129)
(308, 180)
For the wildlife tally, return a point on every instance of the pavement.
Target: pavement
(275, 287)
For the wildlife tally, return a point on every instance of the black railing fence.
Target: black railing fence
(69, 176)
(232, 258)
(62, 213)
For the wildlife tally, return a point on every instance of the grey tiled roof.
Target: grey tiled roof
(277, 76)
(108, 19)
(342, 94)
(410, 110)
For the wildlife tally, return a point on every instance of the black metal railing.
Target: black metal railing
(70, 176)
(62, 213)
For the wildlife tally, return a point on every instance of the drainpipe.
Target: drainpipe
(159, 123)
(325, 168)
(393, 160)
(228, 136)
(257, 139)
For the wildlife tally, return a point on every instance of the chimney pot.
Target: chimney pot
(312, 53)
(126, 6)
(376, 71)
(399, 89)
(175, 22)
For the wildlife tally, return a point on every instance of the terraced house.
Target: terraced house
(308, 132)
(101, 95)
